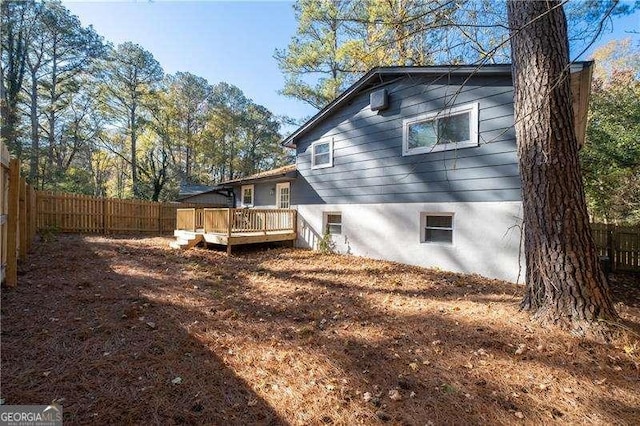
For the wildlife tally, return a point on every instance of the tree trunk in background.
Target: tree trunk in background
(51, 119)
(134, 148)
(34, 158)
(565, 283)
(13, 44)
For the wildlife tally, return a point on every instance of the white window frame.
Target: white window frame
(253, 195)
(279, 187)
(325, 222)
(423, 227)
(313, 154)
(471, 108)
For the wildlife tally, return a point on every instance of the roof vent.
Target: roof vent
(379, 100)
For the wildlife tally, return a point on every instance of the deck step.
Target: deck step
(186, 243)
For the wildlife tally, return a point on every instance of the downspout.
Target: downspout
(232, 193)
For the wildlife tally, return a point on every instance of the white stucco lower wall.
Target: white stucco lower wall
(486, 235)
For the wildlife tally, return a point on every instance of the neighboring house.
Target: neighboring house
(412, 164)
(203, 194)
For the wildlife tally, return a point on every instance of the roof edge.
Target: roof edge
(488, 69)
(276, 173)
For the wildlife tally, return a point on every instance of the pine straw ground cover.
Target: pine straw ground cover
(123, 331)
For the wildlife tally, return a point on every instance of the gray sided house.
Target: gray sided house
(413, 164)
(270, 189)
(203, 194)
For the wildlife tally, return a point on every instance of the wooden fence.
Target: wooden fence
(621, 244)
(17, 217)
(73, 213)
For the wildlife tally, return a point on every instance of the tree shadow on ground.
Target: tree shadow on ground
(456, 347)
(545, 388)
(291, 336)
(79, 332)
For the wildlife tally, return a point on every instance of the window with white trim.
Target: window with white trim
(444, 130)
(333, 223)
(437, 228)
(322, 154)
(247, 194)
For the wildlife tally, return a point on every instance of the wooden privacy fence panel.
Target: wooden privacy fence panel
(96, 215)
(167, 212)
(17, 217)
(4, 207)
(621, 244)
(124, 216)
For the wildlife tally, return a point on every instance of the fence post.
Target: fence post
(12, 223)
(610, 247)
(33, 214)
(31, 207)
(22, 222)
(104, 216)
(28, 218)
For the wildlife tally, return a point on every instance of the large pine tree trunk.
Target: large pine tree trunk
(565, 283)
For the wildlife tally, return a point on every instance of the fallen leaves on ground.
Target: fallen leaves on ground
(124, 330)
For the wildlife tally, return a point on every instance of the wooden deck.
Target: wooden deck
(231, 227)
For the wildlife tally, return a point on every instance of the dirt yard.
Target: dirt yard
(123, 331)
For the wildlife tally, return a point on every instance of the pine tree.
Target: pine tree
(565, 283)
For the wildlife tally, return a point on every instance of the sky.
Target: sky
(226, 41)
(220, 41)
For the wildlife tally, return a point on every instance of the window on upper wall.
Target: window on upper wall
(452, 128)
(437, 228)
(333, 223)
(247, 196)
(322, 154)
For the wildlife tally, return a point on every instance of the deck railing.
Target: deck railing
(216, 220)
(241, 220)
(189, 219)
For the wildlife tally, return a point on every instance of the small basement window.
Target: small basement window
(322, 154)
(333, 223)
(247, 196)
(437, 228)
(441, 131)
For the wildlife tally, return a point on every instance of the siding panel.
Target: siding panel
(262, 197)
(412, 92)
(415, 176)
(368, 162)
(420, 100)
